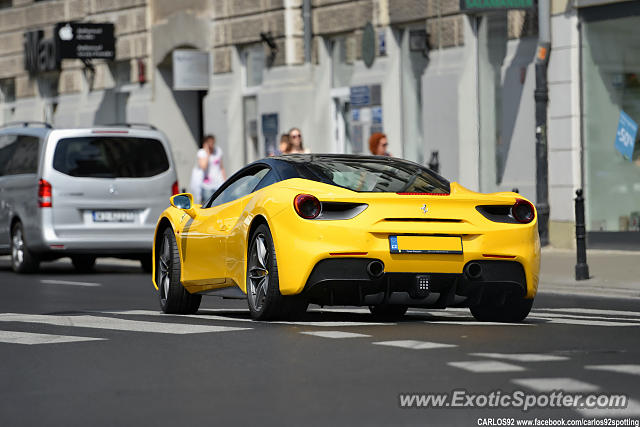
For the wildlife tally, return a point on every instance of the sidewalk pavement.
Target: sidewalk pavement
(612, 273)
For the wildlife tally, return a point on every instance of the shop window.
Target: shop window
(611, 95)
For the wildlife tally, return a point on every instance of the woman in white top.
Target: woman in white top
(209, 173)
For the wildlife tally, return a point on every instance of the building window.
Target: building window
(7, 91)
(611, 96)
(341, 62)
(253, 60)
(6, 4)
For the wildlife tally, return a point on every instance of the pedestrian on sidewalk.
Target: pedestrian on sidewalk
(208, 174)
(284, 146)
(378, 144)
(295, 140)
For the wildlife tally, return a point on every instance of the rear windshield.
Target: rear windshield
(375, 176)
(110, 157)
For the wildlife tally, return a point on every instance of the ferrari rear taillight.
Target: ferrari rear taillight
(174, 188)
(44, 194)
(523, 211)
(307, 206)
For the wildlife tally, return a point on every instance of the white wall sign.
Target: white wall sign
(190, 69)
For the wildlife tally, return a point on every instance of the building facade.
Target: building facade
(449, 87)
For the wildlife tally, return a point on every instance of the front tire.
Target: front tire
(174, 298)
(514, 310)
(23, 261)
(263, 285)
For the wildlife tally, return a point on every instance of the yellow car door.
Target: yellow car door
(206, 263)
(202, 243)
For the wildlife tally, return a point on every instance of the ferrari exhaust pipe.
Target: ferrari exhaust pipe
(375, 269)
(473, 270)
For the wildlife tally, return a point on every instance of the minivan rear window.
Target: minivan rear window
(110, 157)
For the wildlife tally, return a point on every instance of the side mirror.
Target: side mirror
(183, 201)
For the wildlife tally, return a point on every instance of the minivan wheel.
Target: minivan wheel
(174, 298)
(22, 259)
(83, 263)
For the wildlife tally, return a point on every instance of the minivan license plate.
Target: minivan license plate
(114, 216)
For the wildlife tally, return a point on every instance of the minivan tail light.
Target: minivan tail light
(44, 194)
(174, 188)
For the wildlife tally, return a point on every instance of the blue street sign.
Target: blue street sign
(359, 96)
(626, 135)
(376, 115)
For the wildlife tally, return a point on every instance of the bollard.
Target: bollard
(582, 269)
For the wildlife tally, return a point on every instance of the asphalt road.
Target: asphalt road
(93, 349)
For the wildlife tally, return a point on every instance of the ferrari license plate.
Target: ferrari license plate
(425, 244)
(114, 216)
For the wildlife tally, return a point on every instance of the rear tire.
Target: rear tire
(174, 298)
(388, 312)
(514, 310)
(23, 261)
(83, 263)
(263, 285)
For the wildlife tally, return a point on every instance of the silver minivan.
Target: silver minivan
(82, 193)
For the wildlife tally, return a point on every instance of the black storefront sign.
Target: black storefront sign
(71, 40)
(489, 5)
(85, 40)
(40, 54)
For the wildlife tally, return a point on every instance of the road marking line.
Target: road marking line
(591, 311)
(335, 334)
(588, 322)
(567, 385)
(623, 369)
(522, 357)
(113, 323)
(415, 345)
(486, 366)
(328, 324)
(474, 323)
(30, 338)
(583, 317)
(632, 410)
(68, 282)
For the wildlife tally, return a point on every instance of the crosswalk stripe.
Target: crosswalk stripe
(567, 385)
(414, 345)
(590, 311)
(584, 317)
(623, 369)
(587, 322)
(113, 323)
(30, 338)
(485, 366)
(632, 410)
(327, 324)
(335, 334)
(68, 282)
(522, 357)
(474, 323)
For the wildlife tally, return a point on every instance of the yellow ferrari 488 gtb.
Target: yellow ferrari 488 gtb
(380, 232)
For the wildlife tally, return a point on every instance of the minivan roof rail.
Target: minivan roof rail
(130, 125)
(27, 123)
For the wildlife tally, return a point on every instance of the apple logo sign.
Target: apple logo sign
(66, 33)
